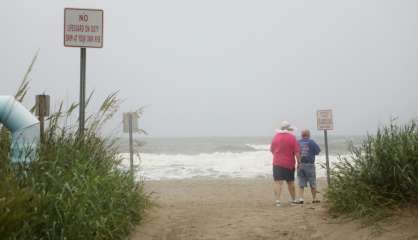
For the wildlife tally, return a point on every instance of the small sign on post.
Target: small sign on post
(130, 125)
(325, 122)
(135, 118)
(324, 119)
(42, 111)
(83, 28)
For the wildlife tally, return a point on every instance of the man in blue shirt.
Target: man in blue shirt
(306, 170)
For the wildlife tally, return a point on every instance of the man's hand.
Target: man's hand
(297, 155)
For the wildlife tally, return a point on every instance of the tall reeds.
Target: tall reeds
(74, 189)
(380, 175)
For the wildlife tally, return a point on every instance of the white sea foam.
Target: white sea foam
(259, 147)
(218, 164)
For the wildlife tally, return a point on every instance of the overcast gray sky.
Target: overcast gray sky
(227, 67)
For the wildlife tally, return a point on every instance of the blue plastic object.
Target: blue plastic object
(24, 128)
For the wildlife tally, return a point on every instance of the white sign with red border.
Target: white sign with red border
(324, 119)
(83, 28)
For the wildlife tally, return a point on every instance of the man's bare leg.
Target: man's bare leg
(291, 187)
(277, 187)
(313, 191)
(301, 193)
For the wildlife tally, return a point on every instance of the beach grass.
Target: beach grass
(380, 175)
(75, 188)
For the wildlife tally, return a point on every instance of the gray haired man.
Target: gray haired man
(306, 170)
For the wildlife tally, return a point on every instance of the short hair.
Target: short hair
(306, 133)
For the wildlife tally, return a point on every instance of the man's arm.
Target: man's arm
(317, 149)
(297, 155)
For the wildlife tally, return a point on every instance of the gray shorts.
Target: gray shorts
(307, 173)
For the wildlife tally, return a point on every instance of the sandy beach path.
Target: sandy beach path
(244, 209)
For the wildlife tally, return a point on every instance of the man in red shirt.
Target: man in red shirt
(285, 150)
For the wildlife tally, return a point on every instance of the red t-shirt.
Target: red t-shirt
(284, 148)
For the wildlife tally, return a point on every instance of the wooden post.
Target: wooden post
(131, 147)
(42, 111)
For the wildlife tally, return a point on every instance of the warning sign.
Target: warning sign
(83, 28)
(324, 120)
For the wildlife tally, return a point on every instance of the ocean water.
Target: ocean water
(249, 157)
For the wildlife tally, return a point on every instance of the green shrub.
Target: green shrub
(75, 189)
(380, 175)
(16, 205)
(5, 142)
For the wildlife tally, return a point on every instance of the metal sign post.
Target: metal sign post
(82, 106)
(42, 111)
(83, 28)
(130, 124)
(325, 122)
(327, 156)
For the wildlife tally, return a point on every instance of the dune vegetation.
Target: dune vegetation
(380, 176)
(75, 188)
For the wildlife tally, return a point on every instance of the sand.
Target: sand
(244, 209)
